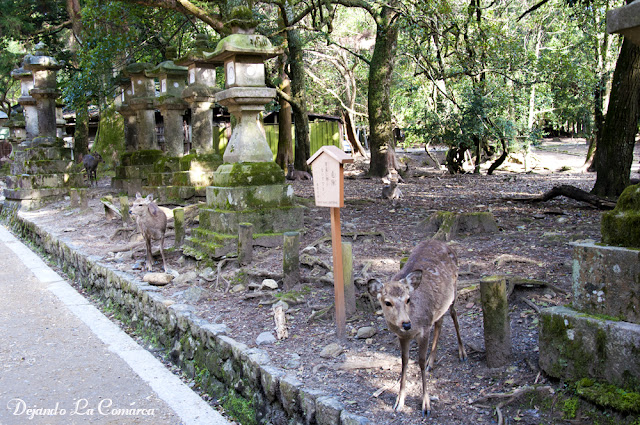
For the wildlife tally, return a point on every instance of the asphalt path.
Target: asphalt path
(63, 362)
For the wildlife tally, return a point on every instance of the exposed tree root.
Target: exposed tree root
(569, 192)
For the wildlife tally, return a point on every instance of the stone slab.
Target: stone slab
(606, 281)
(574, 345)
(250, 197)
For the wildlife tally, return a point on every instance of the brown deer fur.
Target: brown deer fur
(293, 174)
(152, 224)
(414, 301)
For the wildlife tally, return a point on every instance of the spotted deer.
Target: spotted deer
(152, 223)
(414, 301)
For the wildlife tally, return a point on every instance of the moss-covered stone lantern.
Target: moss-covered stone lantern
(249, 186)
(201, 95)
(123, 107)
(28, 103)
(143, 94)
(172, 80)
(44, 69)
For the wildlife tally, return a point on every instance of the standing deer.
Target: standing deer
(90, 163)
(414, 301)
(293, 174)
(152, 223)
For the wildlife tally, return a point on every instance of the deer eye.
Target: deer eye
(408, 300)
(388, 303)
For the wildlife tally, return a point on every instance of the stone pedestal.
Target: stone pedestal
(244, 193)
(128, 114)
(599, 336)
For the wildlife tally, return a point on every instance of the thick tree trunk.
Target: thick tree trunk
(615, 147)
(300, 117)
(380, 72)
(350, 131)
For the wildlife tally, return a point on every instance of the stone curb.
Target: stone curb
(219, 363)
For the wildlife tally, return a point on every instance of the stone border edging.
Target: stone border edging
(201, 349)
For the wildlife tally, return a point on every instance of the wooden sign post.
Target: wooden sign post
(328, 185)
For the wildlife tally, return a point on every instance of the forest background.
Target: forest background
(478, 76)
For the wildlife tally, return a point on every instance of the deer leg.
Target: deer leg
(434, 346)
(404, 347)
(423, 345)
(462, 354)
(149, 254)
(164, 264)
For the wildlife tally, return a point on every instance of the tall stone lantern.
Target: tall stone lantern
(27, 101)
(44, 91)
(172, 82)
(249, 186)
(143, 94)
(200, 94)
(243, 54)
(128, 113)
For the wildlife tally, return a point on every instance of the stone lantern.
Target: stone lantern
(249, 187)
(200, 94)
(44, 91)
(128, 113)
(172, 82)
(143, 94)
(246, 94)
(27, 101)
(61, 123)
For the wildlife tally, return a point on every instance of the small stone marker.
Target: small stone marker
(245, 243)
(178, 224)
(291, 260)
(124, 209)
(495, 313)
(328, 185)
(347, 272)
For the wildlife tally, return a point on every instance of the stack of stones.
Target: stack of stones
(598, 336)
(43, 168)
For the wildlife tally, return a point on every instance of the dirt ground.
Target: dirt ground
(533, 242)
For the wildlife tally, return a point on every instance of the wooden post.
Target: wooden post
(178, 224)
(349, 288)
(338, 277)
(495, 315)
(245, 243)
(290, 260)
(328, 187)
(124, 209)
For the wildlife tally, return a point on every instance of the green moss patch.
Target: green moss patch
(248, 174)
(608, 396)
(621, 226)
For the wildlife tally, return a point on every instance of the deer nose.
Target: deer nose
(406, 326)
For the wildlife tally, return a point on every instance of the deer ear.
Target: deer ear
(138, 196)
(153, 209)
(414, 279)
(375, 287)
(150, 198)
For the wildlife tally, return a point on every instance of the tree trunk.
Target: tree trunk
(351, 134)
(615, 148)
(380, 72)
(81, 134)
(284, 155)
(300, 117)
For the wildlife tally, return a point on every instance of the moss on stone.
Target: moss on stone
(609, 396)
(239, 408)
(248, 174)
(621, 226)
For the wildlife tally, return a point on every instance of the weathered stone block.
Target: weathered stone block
(328, 410)
(270, 379)
(289, 394)
(606, 281)
(574, 345)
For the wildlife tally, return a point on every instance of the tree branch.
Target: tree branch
(185, 7)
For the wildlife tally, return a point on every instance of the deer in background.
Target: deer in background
(414, 301)
(152, 224)
(293, 174)
(90, 162)
(390, 190)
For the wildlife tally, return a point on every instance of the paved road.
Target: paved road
(63, 362)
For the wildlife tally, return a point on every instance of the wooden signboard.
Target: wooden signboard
(328, 185)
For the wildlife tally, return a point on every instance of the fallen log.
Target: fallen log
(571, 192)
